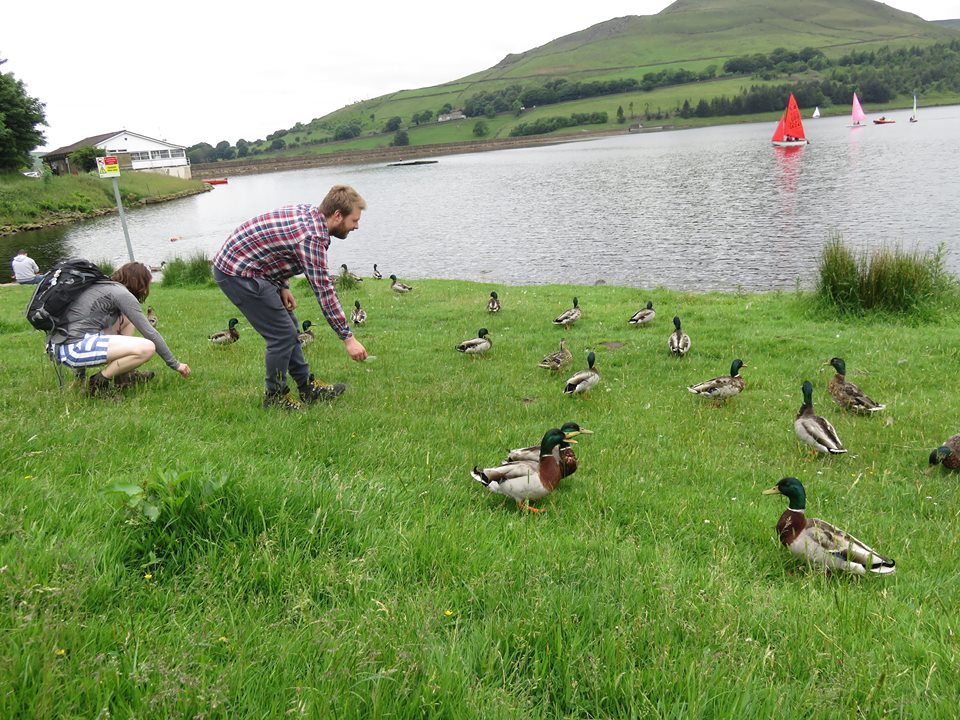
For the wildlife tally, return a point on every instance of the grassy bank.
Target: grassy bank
(35, 202)
(341, 563)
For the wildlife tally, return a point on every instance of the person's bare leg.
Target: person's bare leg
(124, 353)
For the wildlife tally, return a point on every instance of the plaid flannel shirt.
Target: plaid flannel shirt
(276, 246)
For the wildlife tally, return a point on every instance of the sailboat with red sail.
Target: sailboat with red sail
(789, 132)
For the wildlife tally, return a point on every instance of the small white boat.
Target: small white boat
(913, 118)
(816, 112)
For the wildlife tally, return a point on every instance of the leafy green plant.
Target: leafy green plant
(195, 270)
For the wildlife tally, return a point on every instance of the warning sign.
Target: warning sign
(108, 166)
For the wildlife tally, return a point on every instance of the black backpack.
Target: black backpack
(57, 290)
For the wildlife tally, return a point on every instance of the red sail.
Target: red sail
(778, 133)
(792, 123)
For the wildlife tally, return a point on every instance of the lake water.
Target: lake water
(712, 208)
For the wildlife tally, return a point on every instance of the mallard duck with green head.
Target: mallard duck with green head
(359, 315)
(493, 304)
(477, 345)
(568, 459)
(643, 315)
(345, 273)
(947, 454)
(306, 337)
(228, 336)
(569, 317)
(525, 482)
(723, 387)
(819, 542)
(559, 359)
(679, 341)
(849, 395)
(377, 275)
(585, 380)
(399, 287)
(815, 431)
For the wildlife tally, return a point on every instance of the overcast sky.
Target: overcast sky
(208, 71)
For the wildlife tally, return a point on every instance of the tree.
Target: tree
(223, 151)
(621, 118)
(400, 139)
(20, 115)
(243, 148)
(480, 129)
(200, 153)
(84, 159)
(277, 144)
(393, 124)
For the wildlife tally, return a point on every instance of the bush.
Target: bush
(193, 271)
(886, 279)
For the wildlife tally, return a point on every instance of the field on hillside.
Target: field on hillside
(342, 563)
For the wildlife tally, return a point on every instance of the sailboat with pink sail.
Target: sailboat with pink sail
(789, 132)
(857, 116)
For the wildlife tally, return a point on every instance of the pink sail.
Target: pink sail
(857, 116)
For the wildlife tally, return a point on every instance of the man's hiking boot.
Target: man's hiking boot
(99, 386)
(281, 399)
(318, 391)
(134, 377)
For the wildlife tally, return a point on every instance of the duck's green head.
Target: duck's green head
(482, 332)
(306, 325)
(344, 267)
(649, 304)
(807, 392)
(793, 489)
(552, 438)
(575, 302)
(676, 321)
(839, 365)
(570, 430)
(939, 455)
(393, 277)
(232, 323)
(735, 367)
(356, 304)
(494, 294)
(591, 358)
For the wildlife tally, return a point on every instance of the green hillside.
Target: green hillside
(695, 36)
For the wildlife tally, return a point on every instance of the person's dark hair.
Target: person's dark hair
(343, 198)
(135, 277)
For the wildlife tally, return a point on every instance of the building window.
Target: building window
(176, 153)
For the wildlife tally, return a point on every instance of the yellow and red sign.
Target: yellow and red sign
(108, 166)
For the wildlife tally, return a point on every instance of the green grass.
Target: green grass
(26, 200)
(341, 563)
(194, 270)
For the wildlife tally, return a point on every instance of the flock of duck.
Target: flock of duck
(529, 474)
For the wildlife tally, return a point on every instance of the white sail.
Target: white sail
(913, 118)
(816, 112)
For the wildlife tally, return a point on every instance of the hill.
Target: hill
(693, 39)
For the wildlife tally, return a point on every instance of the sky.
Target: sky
(206, 71)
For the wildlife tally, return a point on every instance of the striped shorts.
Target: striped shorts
(92, 350)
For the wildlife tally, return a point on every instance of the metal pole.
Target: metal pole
(123, 218)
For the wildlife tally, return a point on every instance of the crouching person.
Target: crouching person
(97, 329)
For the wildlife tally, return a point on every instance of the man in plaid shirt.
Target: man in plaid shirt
(253, 269)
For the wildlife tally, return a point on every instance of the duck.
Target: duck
(525, 482)
(152, 316)
(376, 273)
(568, 459)
(569, 317)
(359, 315)
(477, 345)
(643, 315)
(723, 387)
(584, 380)
(679, 341)
(345, 273)
(559, 359)
(158, 268)
(947, 454)
(493, 304)
(815, 431)
(821, 543)
(228, 336)
(847, 394)
(398, 286)
(306, 337)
